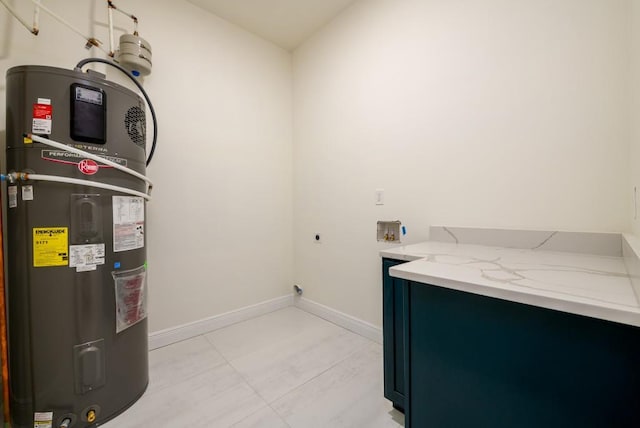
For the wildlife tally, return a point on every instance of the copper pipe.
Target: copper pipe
(4, 348)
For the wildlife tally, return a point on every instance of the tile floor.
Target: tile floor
(284, 369)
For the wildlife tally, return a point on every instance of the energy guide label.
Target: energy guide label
(128, 223)
(50, 246)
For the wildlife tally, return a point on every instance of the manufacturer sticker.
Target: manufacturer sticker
(50, 246)
(13, 196)
(42, 419)
(27, 193)
(128, 223)
(42, 118)
(86, 257)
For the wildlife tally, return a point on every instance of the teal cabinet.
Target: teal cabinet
(476, 361)
(393, 335)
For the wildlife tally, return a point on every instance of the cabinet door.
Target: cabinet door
(476, 361)
(393, 333)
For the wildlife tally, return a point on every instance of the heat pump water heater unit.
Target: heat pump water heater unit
(78, 344)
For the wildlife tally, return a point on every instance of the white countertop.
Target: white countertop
(592, 285)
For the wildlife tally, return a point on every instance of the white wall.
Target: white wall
(468, 113)
(219, 226)
(634, 153)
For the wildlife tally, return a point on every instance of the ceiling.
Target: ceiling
(287, 23)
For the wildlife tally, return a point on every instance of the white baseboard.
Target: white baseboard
(356, 325)
(171, 335)
(187, 331)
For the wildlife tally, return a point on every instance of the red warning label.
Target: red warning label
(42, 118)
(42, 111)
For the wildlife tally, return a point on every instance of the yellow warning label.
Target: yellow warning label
(50, 246)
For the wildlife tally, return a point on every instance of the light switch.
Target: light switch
(379, 196)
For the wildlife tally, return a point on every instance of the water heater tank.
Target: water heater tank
(78, 344)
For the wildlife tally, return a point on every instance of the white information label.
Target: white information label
(45, 101)
(27, 193)
(13, 196)
(128, 223)
(86, 257)
(41, 126)
(43, 420)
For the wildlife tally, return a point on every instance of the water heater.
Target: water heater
(76, 247)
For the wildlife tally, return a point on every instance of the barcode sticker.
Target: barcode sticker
(13, 196)
(27, 193)
(43, 420)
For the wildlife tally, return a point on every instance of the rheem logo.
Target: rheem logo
(88, 167)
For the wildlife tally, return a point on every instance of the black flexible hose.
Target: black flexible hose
(146, 97)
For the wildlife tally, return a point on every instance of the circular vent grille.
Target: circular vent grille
(136, 125)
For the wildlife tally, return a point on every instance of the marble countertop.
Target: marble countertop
(597, 286)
